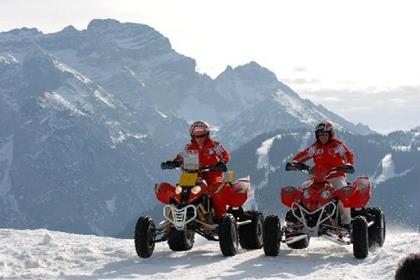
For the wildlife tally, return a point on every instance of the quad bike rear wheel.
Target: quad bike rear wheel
(228, 235)
(360, 237)
(272, 235)
(181, 240)
(144, 239)
(377, 232)
(251, 235)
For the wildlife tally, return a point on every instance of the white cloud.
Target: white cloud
(383, 111)
(369, 42)
(300, 69)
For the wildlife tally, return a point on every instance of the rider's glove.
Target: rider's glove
(169, 164)
(221, 166)
(290, 166)
(349, 168)
(178, 162)
(300, 165)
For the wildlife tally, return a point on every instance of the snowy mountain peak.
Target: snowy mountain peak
(254, 67)
(250, 73)
(130, 35)
(69, 29)
(363, 129)
(103, 25)
(23, 32)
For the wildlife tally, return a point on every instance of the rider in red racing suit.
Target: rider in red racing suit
(210, 153)
(328, 152)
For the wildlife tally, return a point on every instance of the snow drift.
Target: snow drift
(42, 254)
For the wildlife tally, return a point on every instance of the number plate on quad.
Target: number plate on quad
(188, 179)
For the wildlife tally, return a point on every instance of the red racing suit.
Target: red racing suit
(210, 154)
(327, 156)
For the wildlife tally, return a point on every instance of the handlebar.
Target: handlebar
(297, 166)
(220, 166)
(170, 164)
(303, 167)
(345, 168)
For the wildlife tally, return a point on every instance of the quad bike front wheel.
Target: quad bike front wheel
(360, 237)
(301, 244)
(144, 239)
(272, 235)
(251, 235)
(377, 231)
(228, 235)
(180, 240)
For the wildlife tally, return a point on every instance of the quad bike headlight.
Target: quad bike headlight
(196, 189)
(306, 194)
(326, 194)
(178, 190)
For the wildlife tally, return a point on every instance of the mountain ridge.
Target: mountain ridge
(87, 116)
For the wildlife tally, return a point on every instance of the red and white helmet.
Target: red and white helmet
(325, 127)
(199, 128)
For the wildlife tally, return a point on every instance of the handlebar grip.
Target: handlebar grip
(290, 167)
(346, 168)
(220, 166)
(163, 166)
(349, 169)
(168, 165)
(297, 166)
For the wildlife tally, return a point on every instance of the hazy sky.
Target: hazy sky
(360, 59)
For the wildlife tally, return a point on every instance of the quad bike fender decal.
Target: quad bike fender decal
(234, 195)
(241, 186)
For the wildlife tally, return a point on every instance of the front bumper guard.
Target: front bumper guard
(178, 217)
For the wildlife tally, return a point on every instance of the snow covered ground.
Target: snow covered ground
(42, 254)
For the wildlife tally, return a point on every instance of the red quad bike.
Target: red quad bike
(314, 212)
(188, 210)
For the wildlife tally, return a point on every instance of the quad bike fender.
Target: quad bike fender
(164, 191)
(289, 195)
(356, 195)
(238, 193)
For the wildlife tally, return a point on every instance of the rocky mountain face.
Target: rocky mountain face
(86, 117)
(73, 155)
(137, 64)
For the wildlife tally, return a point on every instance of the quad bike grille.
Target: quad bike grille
(180, 217)
(312, 221)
